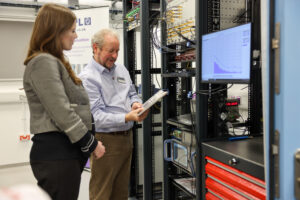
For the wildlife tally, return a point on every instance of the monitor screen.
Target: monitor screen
(226, 55)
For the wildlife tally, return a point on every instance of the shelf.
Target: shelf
(187, 74)
(187, 185)
(182, 169)
(182, 61)
(182, 121)
(248, 153)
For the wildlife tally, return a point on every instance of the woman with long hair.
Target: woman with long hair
(60, 116)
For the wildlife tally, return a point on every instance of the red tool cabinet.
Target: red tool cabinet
(239, 180)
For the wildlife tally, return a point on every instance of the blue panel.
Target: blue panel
(287, 103)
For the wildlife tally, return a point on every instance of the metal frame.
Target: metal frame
(146, 72)
(130, 64)
(271, 102)
(146, 94)
(201, 101)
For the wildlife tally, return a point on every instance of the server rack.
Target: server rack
(177, 76)
(212, 148)
(211, 142)
(136, 15)
(242, 158)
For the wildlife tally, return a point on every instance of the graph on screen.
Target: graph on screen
(226, 55)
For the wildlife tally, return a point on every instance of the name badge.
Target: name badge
(121, 80)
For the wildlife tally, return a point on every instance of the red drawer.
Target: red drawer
(224, 176)
(216, 187)
(210, 196)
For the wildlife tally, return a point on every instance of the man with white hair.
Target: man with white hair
(115, 106)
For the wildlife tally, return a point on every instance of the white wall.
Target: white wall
(17, 14)
(14, 120)
(14, 40)
(15, 32)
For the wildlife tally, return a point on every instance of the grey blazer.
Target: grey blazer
(55, 102)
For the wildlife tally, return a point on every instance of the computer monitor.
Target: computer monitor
(226, 55)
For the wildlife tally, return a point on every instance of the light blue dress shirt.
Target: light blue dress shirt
(111, 95)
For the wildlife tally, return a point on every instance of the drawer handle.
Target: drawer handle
(233, 161)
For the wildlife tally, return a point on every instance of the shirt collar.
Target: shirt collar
(101, 68)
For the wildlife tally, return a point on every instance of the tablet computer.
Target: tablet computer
(152, 100)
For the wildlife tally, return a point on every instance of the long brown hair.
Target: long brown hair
(52, 20)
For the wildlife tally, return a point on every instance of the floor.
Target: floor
(22, 175)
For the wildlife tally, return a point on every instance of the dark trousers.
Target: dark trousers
(59, 178)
